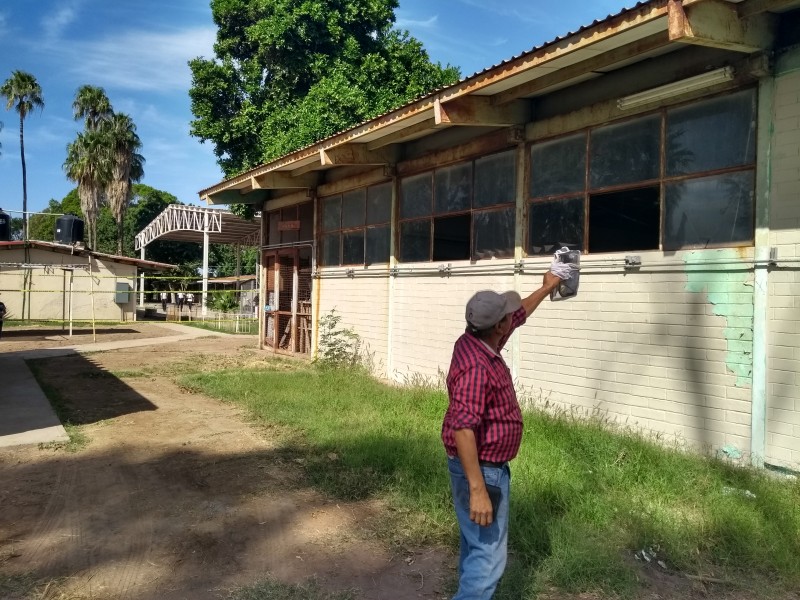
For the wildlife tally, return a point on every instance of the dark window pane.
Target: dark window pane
(559, 166)
(626, 220)
(626, 152)
(709, 211)
(305, 213)
(274, 236)
(353, 208)
(494, 233)
(379, 204)
(330, 250)
(353, 248)
(495, 179)
(451, 237)
(453, 188)
(288, 214)
(711, 135)
(377, 245)
(415, 241)
(331, 213)
(416, 196)
(553, 225)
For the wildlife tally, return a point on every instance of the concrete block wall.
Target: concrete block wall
(363, 303)
(783, 353)
(47, 296)
(663, 349)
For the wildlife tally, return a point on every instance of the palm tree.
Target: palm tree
(89, 164)
(23, 93)
(127, 167)
(92, 105)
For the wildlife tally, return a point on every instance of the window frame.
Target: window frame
(471, 211)
(662, 181)
(341, 231)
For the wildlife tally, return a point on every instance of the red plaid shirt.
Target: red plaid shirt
(482, 398)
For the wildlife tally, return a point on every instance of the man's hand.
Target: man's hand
(480, 506)
(550, 281)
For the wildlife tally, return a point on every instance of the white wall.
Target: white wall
(783, 359)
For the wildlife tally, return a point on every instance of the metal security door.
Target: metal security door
(288, 315)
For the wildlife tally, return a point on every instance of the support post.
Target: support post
(758, 408)
(141, 284)
(205, 262)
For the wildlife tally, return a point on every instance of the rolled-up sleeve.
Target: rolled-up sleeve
(468, 398)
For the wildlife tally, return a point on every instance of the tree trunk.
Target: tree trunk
(24, 179)
(120, 233)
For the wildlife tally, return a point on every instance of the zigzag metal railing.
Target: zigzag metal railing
(179, 218)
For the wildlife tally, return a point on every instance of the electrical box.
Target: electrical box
(123, 293)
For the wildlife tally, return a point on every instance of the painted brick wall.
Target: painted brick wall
(667, 351)
(783, 358)
(363, 303)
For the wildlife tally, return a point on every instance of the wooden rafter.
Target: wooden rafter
(717, 24)
(356, 154)
(284, 181)
(480, 111)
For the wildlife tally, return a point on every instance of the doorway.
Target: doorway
(287, 316)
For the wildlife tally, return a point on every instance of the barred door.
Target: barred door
(288, 317)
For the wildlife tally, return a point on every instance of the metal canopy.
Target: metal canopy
(200, 225)
(190, 223)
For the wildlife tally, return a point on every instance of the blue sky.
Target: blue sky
(138, 50)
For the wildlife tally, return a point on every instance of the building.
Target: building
(46, 281)
(663, 142)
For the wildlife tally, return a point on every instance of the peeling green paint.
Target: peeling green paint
(730, 293)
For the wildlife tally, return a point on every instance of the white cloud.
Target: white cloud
(430, 23)
(55, 22)
(140, 60)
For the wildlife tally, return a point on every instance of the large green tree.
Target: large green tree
(89, 164)
(22, 93)
(288, 73)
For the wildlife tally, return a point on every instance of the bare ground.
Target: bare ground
(177, 496)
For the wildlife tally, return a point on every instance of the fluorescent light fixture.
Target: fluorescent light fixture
(677, 88)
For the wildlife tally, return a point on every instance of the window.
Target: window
(682, 177)
(355, 226)
(459, 212)
(290, 224)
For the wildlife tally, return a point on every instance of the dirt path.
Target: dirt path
(176, 496)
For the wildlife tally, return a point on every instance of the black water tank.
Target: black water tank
(5, 226)
(69, 229)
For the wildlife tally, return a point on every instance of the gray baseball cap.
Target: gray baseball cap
(487, 308)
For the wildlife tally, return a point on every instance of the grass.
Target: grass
(585, 499)
(229, 327)
(77, 438)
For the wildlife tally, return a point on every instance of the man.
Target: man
(482, 431)
(2, 316)
(164, 301)
(190, 300)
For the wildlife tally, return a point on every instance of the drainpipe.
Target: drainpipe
(758, 410)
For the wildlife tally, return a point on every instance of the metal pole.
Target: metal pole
(71, 278)
(205, 262)
(91, 296)
(141, 284)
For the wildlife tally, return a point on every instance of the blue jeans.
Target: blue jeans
(483, 549)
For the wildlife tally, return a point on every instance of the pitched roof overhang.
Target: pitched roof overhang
(144, 265)
(501, 96)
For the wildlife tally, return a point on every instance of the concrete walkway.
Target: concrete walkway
(26, 416)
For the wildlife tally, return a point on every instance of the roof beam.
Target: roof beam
(402, 134)
(480, 111)
(717, 24)
(755, 7)
(596, 63)
(284, 181)
(356, 154)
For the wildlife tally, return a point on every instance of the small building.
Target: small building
(663, 142)
(58, 282)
